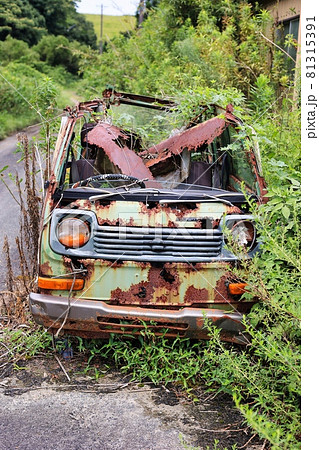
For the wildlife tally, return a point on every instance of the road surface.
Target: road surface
(9, 209)
(41, 409)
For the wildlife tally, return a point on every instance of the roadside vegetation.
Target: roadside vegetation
(197, 52)
(40, 43)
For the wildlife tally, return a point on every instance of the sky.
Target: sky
(110, 7)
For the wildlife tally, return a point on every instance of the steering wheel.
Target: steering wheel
(110, 177)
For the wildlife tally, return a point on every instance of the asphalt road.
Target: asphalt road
(41, 409)
(9, 209)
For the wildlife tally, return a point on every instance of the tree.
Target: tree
(61, 18)
(21, 21)
(30, 20)
(55, 13)
(81, 30)
(15, 50)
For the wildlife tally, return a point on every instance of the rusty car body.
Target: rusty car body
(134, 235)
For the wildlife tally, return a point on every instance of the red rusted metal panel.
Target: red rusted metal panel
(190, 139)
(112, 140)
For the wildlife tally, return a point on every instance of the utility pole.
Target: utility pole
(101, 35)
(141, 12)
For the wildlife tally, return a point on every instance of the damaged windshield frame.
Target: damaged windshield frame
(166, 164)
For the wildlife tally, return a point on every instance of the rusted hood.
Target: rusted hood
(112, 140)
(190, 139)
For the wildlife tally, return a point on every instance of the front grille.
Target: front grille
(135, 326)
(157, 244)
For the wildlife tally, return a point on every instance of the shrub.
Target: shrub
(14, 50)
(58, 51)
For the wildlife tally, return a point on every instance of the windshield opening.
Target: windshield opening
(151, 149)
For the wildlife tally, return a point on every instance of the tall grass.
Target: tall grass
(112, 25)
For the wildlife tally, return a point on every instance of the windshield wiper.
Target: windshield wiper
(132, 191)
(180, 199)
(154, 191)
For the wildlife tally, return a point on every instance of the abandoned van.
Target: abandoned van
(133, 232)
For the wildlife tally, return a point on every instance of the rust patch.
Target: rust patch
(215, 223)
(171, 224)
(159, 278)
(45, 269)
(164, 277)
(192, 138)
(138, 293)
(113, 222)
(260, 180)
(221, 290)
(162, 299)
(66, 260)
(229, 108)
(183, 211)
(45, 291)
(195, 295)
(89, 264)
(86, 204)
(98, 205)
(151, 211)
(233, 210)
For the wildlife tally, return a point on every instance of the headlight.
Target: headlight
(243, 232)
(73, 232)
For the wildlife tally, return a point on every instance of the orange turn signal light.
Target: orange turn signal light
(60, 284)
(237, 288)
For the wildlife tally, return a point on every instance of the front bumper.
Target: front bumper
(97, 319)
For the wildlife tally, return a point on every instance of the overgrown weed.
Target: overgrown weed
(19, 286)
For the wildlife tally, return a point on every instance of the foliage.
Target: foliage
(27, 96)
(81, 30)
(15, 50)
(38, 38)
(17, 81)
(58, 51)
(21, 21)
(24, 341)
(54, 13)
(29, 20)
(265, 380)
(211, 44)
(44, 97)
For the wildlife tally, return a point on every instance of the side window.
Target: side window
(290, 28)
(78, 162)
(225, 163)
(241, 168)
